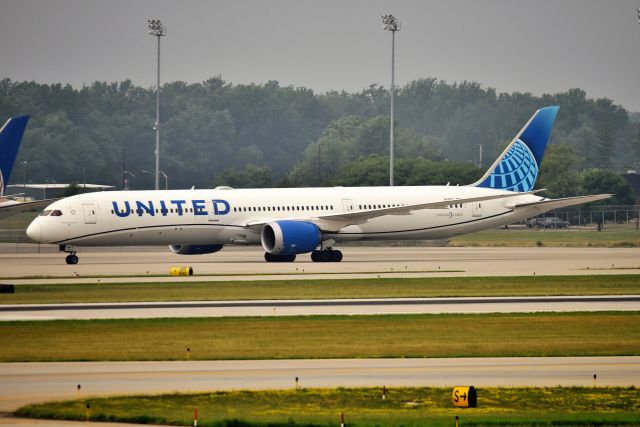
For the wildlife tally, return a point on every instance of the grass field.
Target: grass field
(448, 335)
(612, 237)
(575, 406)
(329, 289)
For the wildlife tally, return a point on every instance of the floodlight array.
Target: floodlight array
(390, 23)
(156, 28)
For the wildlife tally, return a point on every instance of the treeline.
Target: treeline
(218, 133)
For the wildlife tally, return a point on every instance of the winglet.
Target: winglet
(517, 167)
(10, 137)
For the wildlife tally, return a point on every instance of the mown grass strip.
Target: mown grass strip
(573, 406)
(297, 273)
(325, 289)
(455, 335)
(614, 237)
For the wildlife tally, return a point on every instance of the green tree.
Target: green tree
(251, 177)
(598, 181)
(559, 172)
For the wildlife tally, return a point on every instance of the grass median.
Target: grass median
(614, 236)
(325, 289)
(307, 337)
(573, 406)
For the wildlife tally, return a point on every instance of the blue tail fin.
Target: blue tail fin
(10, 137)
(517, 167)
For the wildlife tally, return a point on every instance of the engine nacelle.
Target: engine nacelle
(288, 237)
(194, 249)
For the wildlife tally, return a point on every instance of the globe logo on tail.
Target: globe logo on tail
(517, 171)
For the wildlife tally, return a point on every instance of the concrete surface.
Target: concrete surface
(318, 307)
(22, 383)
(248, 264)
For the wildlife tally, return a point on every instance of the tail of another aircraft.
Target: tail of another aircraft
(10, 137)
(517, 167)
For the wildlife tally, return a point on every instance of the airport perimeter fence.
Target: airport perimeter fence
(594, 218)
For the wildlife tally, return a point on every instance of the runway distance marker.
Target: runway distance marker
(464, 397)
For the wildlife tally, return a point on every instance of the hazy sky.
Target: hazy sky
(542, 46)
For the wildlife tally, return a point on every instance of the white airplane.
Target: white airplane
(10, 137)
(292, 221)
(11, 134)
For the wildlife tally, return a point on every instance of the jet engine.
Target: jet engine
(288, 237)
(194, 249)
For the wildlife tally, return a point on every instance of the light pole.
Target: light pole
(157, 30)
(319, 165)
(390, 23)
(24, 180)
(125, 181)
(166, 178)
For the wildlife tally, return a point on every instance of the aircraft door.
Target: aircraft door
(476, 209)
(347, 205)
(90, 213)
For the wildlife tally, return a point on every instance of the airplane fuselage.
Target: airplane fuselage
(221, 216)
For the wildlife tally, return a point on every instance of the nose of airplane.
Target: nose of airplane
(34, 231)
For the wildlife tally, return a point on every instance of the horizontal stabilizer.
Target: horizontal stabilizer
(548, 204)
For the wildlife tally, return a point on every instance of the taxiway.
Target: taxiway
(238, 263)
(143, 310)
(22, 383)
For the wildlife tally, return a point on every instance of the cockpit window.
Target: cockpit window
(56, 213)
(45, 213)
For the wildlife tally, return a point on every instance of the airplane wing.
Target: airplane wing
(56, 186)
(9, 209)
(336, 221)
(548, 204)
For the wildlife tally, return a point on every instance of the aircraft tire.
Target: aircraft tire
(336, 256)
(72, 259)
(315, 256)
(279, 258)
(325, 256)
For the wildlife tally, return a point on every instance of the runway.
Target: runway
(318, 307)
(238, 263)
(22, 383)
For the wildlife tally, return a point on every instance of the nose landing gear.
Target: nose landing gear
(72, 258)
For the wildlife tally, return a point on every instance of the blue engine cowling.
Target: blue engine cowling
(194, 249)
(290, 237)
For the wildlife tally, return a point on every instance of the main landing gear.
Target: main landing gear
(326, 255)
(279, 258)
(72, 258)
